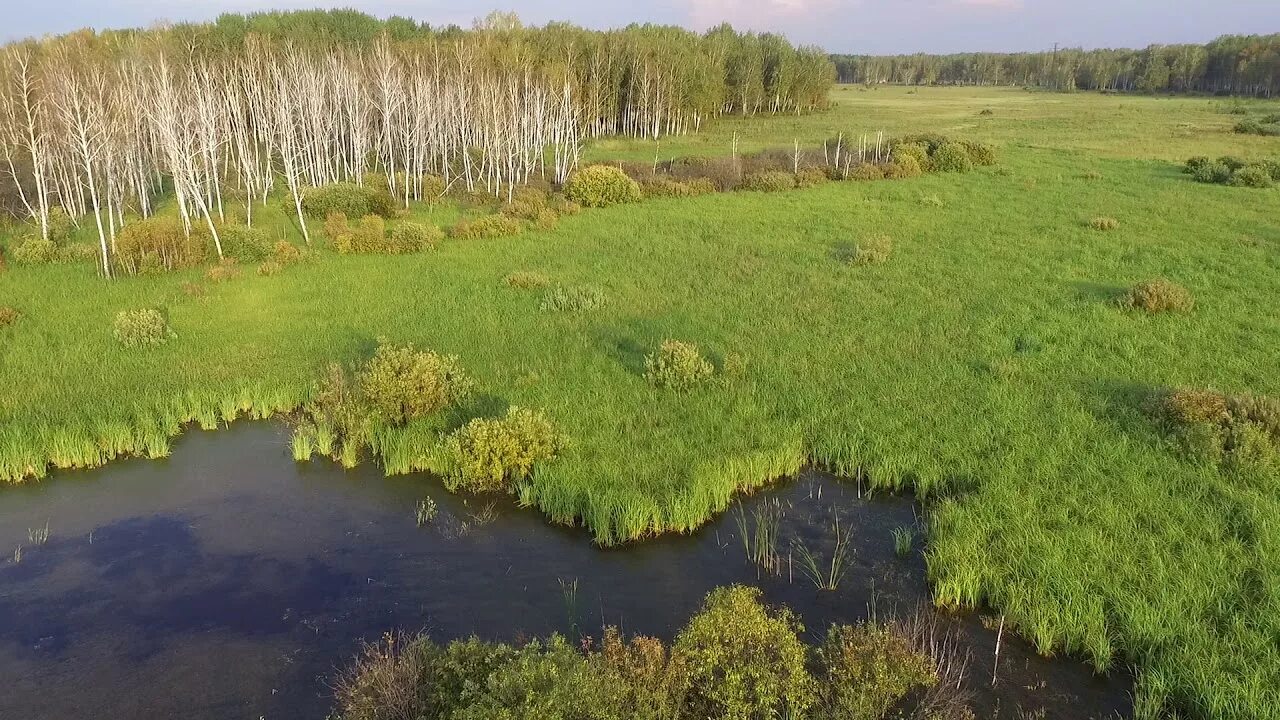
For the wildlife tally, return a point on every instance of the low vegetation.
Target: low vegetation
(143, 327)
(1240, 433)
(1229, 170)
(9, 316)
(496, 454)
(1104, 224)
(677, 365)
(1160, 295)
(602, 186)
(735, 659)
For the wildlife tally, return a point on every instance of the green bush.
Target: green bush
(951, 157)
(902, 168)
(639, 679)
(245, 244)
(1241, 432)
(411, 237)
(489, 226)
(930, 140)
(1195, 163)
(677, 365)
(286, 253)
(34, 250)
(144, 327)
(402, 383)
(494, 454)
(768, 181)
(811, 177)
(581, 298)
(368, 236)
(662, 186)
(336, 225)
(348, 199)
(1273, 168)
(393, 679)
(867, 171)
(982, 154)
(864, 671)
(744, 661)
(1211, 172)
(1104, 224)
(1233, 163)
(1252, 176)
(1258, 126)
(159, 244)
(601, 186)
(872, 250)
(916, 150)
(1158, 296)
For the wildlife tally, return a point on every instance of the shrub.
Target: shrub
(581, 298)
(662, 186)
(565, 206)
(336, 225)
(269, 268)
(547, 219)
(348, 199)
(987, 111)
(1211, 172)
(1233, 163)
(866, 670)
(8, 316)
(677, 365)
(1241, 432)
(725, 173)
(601, 186)
(391, 680)
(225, 270)
(34, 250)
(1260, 126)
(867, 171)
(982, 154)
(930, 140)
(1195, 163)
(1252, 176)
(872, 250)
(1158, 296)
(951, 157)
(369, 236)
(137, 328)
(902, 168)
(489, 226)
(158, 244)
(916, 150)
(1273, 168)
(286, 253)
(410, 237)
(768, 181)
(526, 280)
(402, 383)
(639, 677)
(245, 244)
(744, 661)
(494, 454)
(1104, 224)
(61, 226)
(811, 177)
(527, 203)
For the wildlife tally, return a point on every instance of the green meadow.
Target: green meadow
(985, 366)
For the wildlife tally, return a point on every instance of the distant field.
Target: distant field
(985, 365)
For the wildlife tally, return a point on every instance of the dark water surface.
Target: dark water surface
(228, 582)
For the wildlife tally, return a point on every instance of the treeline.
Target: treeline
(99, 125)
(1230, 65)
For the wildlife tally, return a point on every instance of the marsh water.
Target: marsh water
(229, 582)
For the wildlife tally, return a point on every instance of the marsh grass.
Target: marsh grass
(761, 534)
(902, 539)
(828, 573)
(1048, 496)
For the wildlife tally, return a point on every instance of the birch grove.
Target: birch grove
(102, 126)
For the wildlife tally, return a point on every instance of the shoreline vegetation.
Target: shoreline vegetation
(1050, 337)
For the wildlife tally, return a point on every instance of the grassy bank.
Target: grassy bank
(985, 364)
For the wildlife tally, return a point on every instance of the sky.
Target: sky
(853, 26)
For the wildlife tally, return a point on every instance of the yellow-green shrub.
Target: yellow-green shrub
(867, 171)
(1158, 296)
(401, 383)
(866, 670)
(245, 244)
(367, 237)
(158, 244)
(349, 199)
(142, 327)
(526, 280)
(601, 186)
(916, 150)
(677, 365)
(494, 454)
(902, 168)
(489, 226)
(951, 157)
(872, 250)
(8, 316)
(411, 237)
(744, 661)
(768, 181)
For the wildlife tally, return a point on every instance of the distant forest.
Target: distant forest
(1230, 65)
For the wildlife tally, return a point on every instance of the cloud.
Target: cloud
(992, 4)
(759, 14)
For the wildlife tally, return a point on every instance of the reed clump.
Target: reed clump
(677, 365)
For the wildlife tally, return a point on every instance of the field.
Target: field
(985, 366)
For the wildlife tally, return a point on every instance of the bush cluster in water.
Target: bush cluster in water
(1239, 432)
(735, 659)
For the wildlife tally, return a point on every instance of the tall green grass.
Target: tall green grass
(1050, 494)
